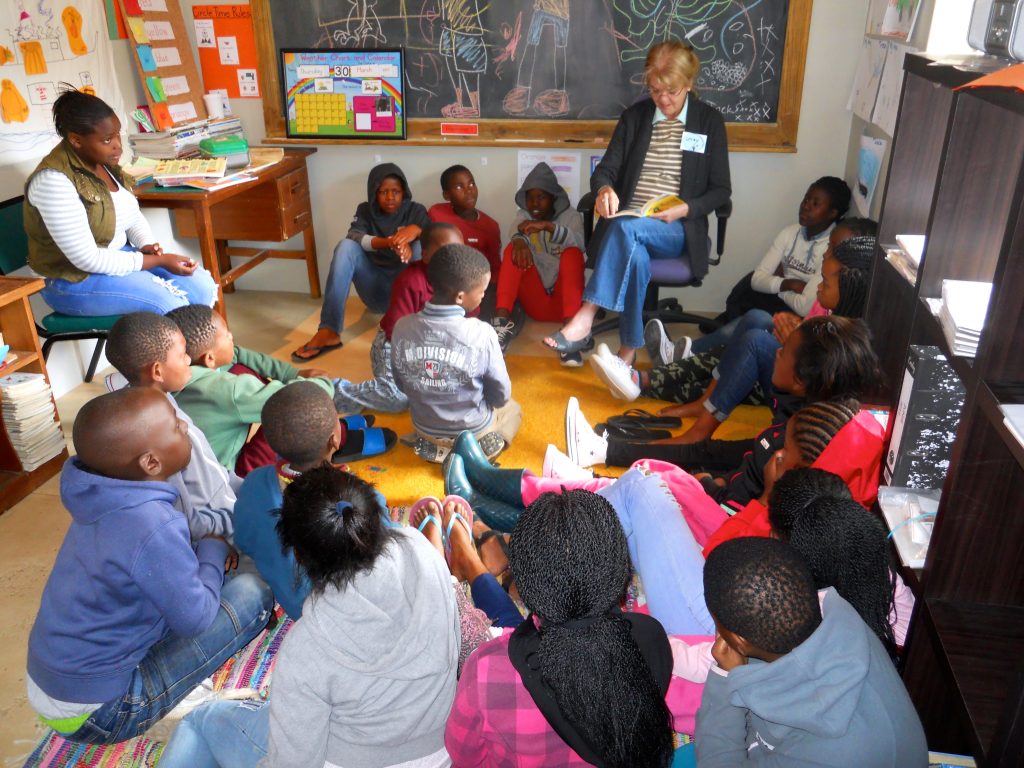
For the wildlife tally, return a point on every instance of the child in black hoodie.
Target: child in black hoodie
(382, 239)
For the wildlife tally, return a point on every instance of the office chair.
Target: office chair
(668, 273)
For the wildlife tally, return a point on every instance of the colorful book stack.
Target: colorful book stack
(182, 141)
(30, 418)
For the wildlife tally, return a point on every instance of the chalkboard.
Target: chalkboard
(557, 71)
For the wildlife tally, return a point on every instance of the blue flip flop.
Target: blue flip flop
(428, 518)
(376, 440)
(456, 517)
(566, 347)
(358, 421)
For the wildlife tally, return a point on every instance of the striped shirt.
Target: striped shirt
(54, 196)
(662, 168)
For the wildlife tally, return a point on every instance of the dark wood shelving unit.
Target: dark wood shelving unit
(957, 176)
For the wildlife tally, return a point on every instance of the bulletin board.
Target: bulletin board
(163, 59)
(227, 49)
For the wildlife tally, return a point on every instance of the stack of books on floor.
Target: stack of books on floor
(182, 142)
(906, 255)
(30, 419)
(962, 315)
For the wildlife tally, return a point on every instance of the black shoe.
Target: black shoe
(506, 329)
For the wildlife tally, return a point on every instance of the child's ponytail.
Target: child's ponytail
(333, 522)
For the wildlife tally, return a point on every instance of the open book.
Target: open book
(651, 207)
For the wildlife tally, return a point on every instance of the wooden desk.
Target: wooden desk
(19, 329)
(274, 207)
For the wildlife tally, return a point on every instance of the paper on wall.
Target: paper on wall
(566, 166)
(138, 28)
(167, 57)
(887, 103)
(159, 30)
(153, 6)
(175, 86)
(248, 83)
(227, 46)
(869, 167)
(869, 73)
(182, 113)
(204, 33)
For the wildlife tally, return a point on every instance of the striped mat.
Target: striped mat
(252, 667)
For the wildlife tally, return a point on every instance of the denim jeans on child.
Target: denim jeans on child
(380, 394)
(220, 734)
(663, 551)
(176, 665)
(351, 265)
(752, 319)
(749, 359)
(152, 290)
(623, 269)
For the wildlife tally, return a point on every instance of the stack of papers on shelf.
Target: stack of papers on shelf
(902, 264)
(910, 514)
(962, 317)
(183, 140)
(30, 419)
(906, 256)
(173, 173)
(1013, 418)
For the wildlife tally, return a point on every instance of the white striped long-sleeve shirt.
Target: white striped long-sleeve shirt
(54, 196)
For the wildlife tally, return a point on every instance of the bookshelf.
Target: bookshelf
(18, 327)
(957, 175)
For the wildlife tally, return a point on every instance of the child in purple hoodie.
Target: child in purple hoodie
(132, 617)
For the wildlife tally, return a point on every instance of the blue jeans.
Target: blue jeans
(176, 665)
(220, 734)
(752, 319)
(351, 265)
(379, 394)
(748, 359)
(623, 269)
(153, 290)
(664, 552)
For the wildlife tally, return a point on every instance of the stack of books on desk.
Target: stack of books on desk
(962, 315)
(182, 142)
(30, 419)
(175, 173)
(906, 255)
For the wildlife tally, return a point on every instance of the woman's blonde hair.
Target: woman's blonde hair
(673, 64)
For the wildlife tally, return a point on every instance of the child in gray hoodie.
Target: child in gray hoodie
(794, 684)
(542, 266)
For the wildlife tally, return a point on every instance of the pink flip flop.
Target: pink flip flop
(466, 520)
(428, 518)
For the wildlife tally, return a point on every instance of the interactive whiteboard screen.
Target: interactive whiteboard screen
(347, 93)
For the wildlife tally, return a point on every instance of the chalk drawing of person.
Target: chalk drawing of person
(465, 55)
(554, 101)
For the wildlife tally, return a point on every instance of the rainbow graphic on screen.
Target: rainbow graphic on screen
(344, 93)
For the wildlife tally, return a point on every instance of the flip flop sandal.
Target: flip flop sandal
(376, 440)
(566, 347)
(315, 351)
(505, 577)
(646, 418)
(358, 421)
(428, 518)
(466, 520)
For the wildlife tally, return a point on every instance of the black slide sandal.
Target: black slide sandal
(639, 417)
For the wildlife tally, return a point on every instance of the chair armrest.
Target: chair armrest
(722, 214)
(586, 207)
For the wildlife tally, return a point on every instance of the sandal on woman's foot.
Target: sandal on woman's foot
(364, 443)
(457, 517)
(422, 504)
(564, 346)
(312, 351)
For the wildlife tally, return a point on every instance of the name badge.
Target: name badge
(693, 142)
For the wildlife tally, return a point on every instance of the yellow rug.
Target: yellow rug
(541, 386)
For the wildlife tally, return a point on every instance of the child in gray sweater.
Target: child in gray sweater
(450, 366)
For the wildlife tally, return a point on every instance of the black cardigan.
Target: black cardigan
(704, 183)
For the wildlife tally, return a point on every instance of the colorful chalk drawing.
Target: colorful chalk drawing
(562, 59)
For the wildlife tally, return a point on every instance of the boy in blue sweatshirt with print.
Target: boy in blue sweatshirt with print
(132, 617)
(450, 366)
(795, 683)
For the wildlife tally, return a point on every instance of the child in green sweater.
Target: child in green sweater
(230, 385)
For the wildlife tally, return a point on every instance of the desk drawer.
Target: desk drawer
(293, 186)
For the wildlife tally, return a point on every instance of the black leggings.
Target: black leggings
(705, 456)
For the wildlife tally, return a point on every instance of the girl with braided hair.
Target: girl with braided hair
(578, 681)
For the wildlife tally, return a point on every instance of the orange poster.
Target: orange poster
(227, 49)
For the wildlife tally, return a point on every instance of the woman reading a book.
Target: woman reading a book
(669, 144)
(86, 234)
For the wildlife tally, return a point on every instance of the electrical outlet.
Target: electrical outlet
(483, 161)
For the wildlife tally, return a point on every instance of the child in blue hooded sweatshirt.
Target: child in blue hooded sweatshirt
(795, 684)
(132, 617)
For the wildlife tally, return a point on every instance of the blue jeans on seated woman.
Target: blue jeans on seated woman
(351, 265)
(220, 734)
(747, 359)
(663, 551)
(752, 319)
(152, 290)
(176, 665)
(623, 269)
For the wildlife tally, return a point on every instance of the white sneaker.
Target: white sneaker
(115, 381)
(617, 376)
(603, 350)
(682, 349)
(584, 447)
(560, 467)
(659, 346)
